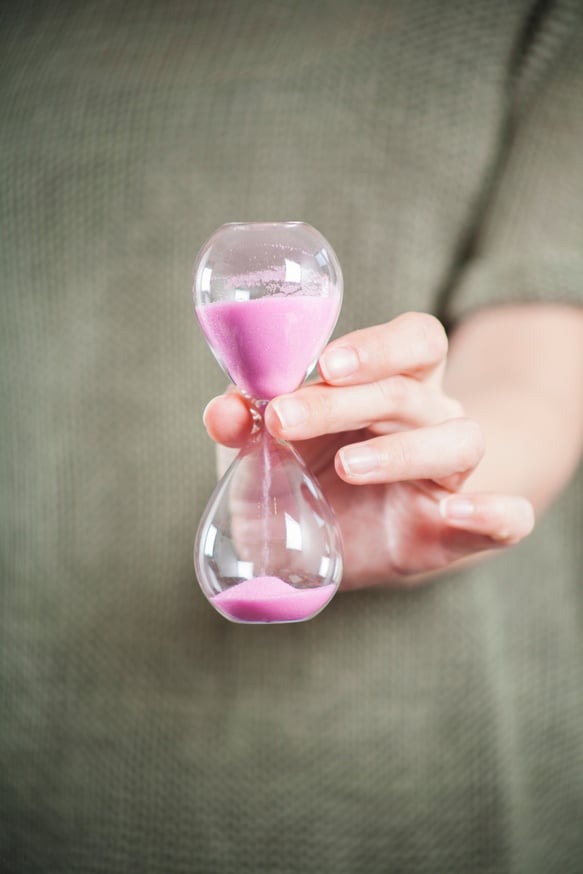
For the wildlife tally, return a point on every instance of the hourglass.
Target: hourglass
(267, 296)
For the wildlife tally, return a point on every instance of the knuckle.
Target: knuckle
(408, 318)
(428, 336)
(434, 337)
(394, 392)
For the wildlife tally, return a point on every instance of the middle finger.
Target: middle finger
(445, 453)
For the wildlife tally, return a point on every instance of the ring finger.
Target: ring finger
(444, 453)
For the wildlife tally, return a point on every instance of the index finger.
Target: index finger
(414, 344)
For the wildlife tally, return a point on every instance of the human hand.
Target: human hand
(392, 453)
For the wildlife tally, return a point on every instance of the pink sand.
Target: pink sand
(269, 599)
(267, 345)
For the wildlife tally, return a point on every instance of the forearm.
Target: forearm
(518, 371)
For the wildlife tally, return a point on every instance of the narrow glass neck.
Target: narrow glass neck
(258, 408)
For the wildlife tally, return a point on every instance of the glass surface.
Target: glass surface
(267, 296)
(268, 522)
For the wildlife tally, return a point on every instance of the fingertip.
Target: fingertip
(526, 517)
(228, 420)
(273, 421)
(286, 417)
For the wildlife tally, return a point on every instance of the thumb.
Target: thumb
(228, 419)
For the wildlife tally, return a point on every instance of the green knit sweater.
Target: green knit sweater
(438, 146)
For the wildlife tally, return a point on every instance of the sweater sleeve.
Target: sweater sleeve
(528, 245)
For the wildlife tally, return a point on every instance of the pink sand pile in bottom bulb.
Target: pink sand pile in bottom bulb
(269, 599)
(266, 345)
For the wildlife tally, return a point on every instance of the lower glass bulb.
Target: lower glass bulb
(268, 548)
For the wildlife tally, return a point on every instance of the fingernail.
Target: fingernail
(358, 459)
(338, 362)
(289, 411)
(457, 508)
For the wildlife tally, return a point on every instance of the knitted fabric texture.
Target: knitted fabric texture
(438, 147)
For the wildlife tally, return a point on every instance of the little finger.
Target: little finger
(505, 519)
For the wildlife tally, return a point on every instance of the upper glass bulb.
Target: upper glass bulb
(289, 278)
